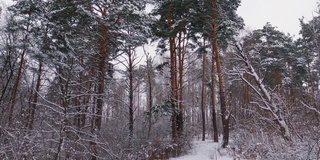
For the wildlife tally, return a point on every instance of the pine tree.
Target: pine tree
(218, 19)
(171, 27)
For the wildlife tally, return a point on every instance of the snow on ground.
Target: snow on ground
(205, 150)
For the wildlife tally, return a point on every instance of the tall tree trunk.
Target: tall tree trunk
(173, 80)
(213, 100)
(130, 70)
(203, 98)
(78, 101)
(17, 82)
(101, 81)
(101, 73)
(180, 87)
(224, 117)
(35, 99)
(64, 82)
(150, 105)
(89, 86)
(15, 88)
(150, 102)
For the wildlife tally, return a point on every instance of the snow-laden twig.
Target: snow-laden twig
(310, 108)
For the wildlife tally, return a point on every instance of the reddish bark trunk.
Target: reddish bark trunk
(15, 89)
(213, 99)
(35, 99)
(101, 72)
(101, 82)
(180, 87)
(173, 80)
(225, 119)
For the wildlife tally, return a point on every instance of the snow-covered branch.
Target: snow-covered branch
(271, 101)
(310, 108)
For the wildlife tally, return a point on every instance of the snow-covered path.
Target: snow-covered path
(205, 150)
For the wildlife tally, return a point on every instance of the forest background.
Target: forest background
(64, 96)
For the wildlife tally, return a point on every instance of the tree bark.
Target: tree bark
(173, 81)
(224, 117)
(130, 70)
(35, 99)
(203, 98)
(15, 89)
(180, 87)
(213, 100)
(150, 101)
(101, 82)
(17, 82)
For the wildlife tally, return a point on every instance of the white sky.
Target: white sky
(283, 14)
(7, 2)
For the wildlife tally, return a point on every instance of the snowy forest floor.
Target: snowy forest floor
(205, 150)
